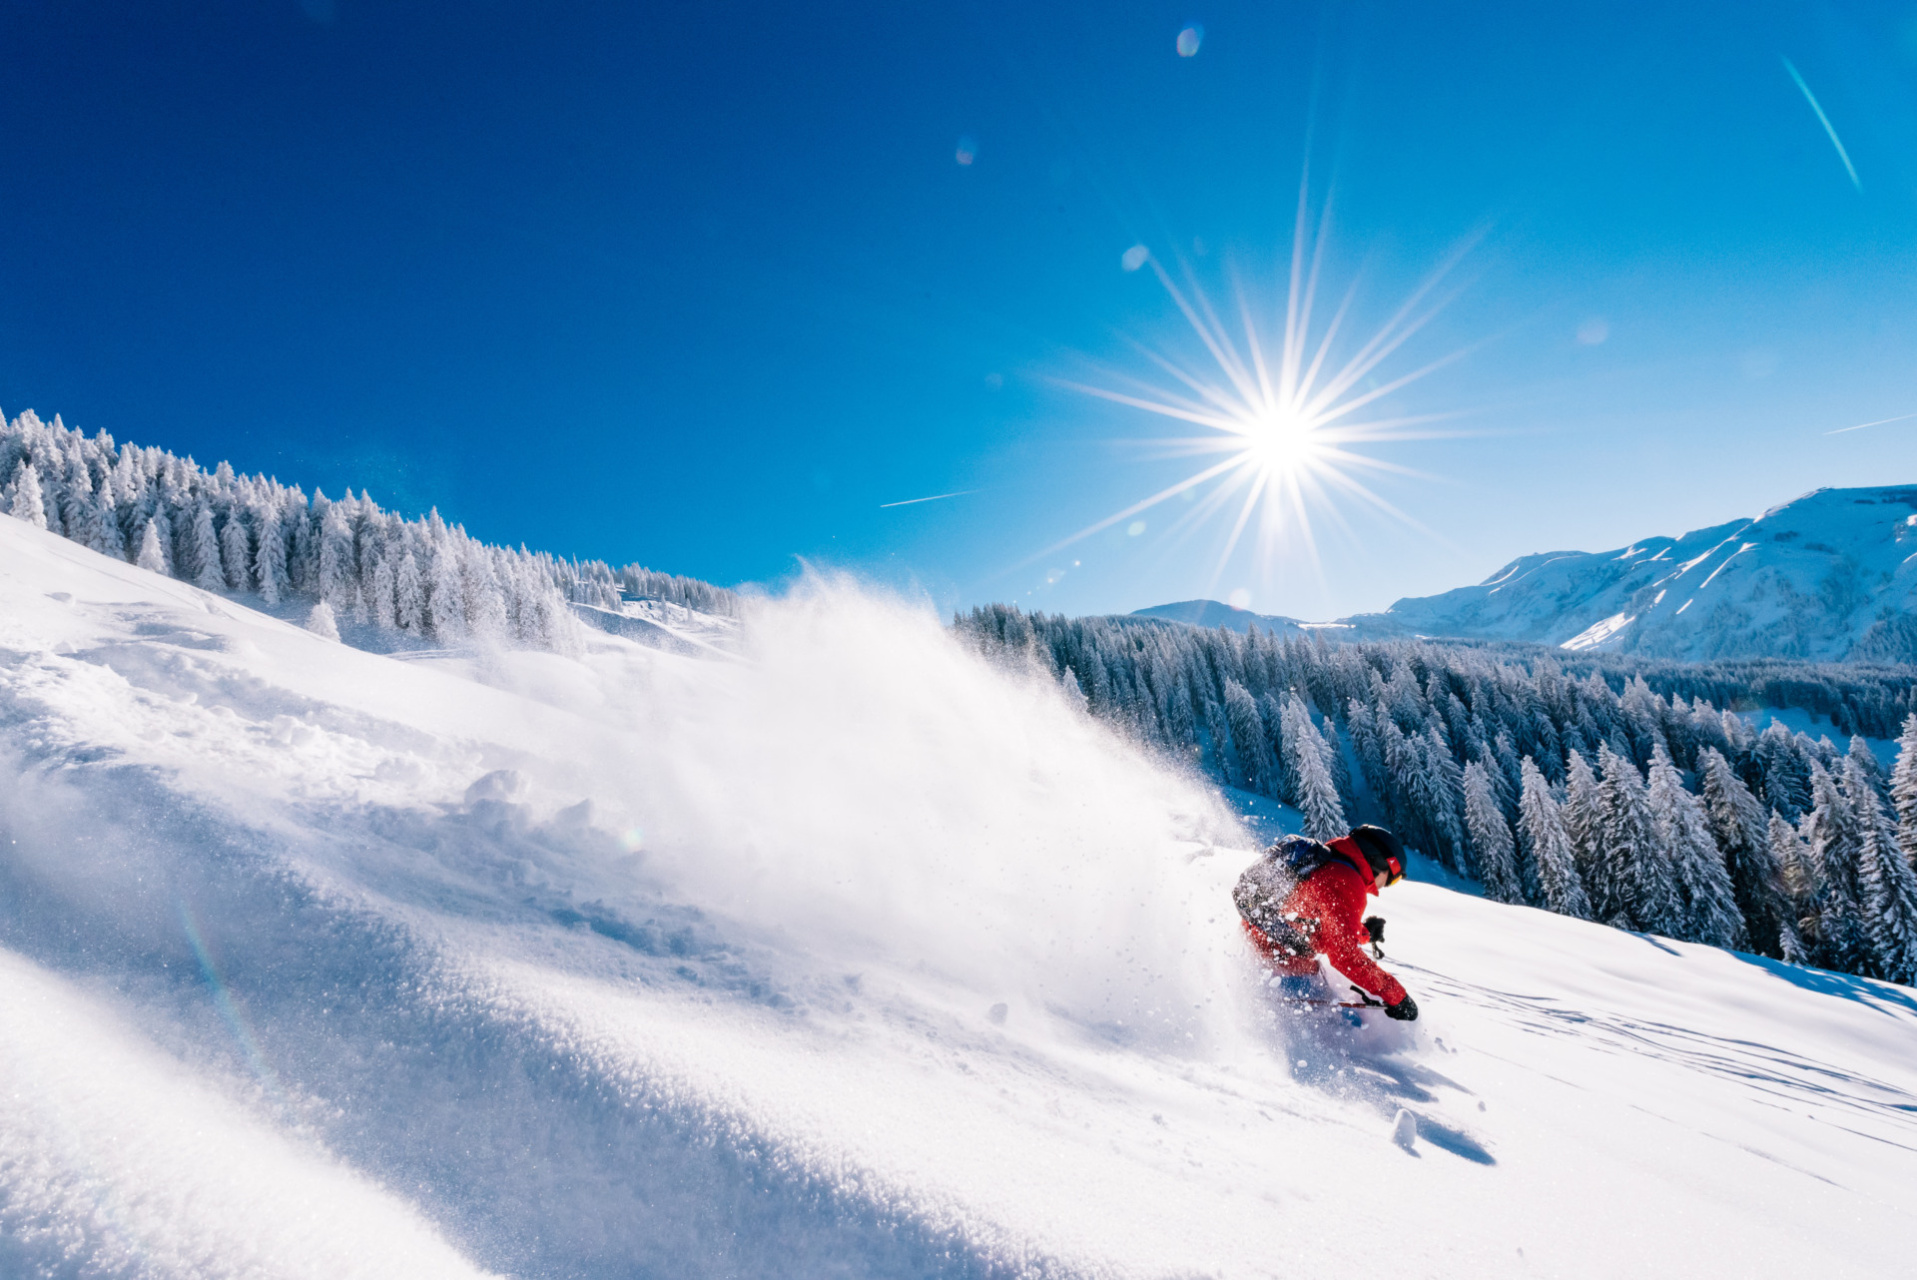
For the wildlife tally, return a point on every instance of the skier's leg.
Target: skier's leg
(1304, 988)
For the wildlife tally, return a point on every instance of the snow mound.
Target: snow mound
(849, 955)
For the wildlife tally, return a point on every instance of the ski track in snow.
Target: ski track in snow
(316, 962)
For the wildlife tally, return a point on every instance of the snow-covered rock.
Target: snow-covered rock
(857, 957)
(1830, 576)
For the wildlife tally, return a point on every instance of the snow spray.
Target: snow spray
(870, 793)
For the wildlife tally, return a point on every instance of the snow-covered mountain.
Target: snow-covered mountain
(1829, 576)
(837, 950)
(1210, 613)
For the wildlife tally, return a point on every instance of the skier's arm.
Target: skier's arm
(1342, 937)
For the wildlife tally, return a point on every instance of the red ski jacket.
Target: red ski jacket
(1334, 897)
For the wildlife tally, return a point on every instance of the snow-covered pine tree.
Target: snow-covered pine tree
(1548, 844)
(1676, 721)
(409, 595)
(1739, 737)
(1509, 770)
(1337, 761)
(1783, 771)
(51, 494)
(1404, 701)
(1823, 751)
(1639, 720)
(150, 555)
(163, 532)
(207, 574)
(1316, 793)
(1396, 751)
(1831, 831)
(1224, 759)
(1584, 824)
(1292, 722)
(1797, 938)
(559, 630)
(269, 563)
(1422, 799)
(105, 524)
(1742, 833)
(1181, 721)
(1548, 745)
(1362, 729)
(1871, 768)
(25, 499)
(1456, 720)
(1707, 727)
(446, 599)
(1444, 781)
(1703, 882)
(1491, 844)
(1887, 885)
(1638, 871)
(486, 612)
(380, 596)
(1249, 740)
(321, 622)
(236, 552)
(1890, 908)
(302, 523)
(333, 558)
(1903, 789)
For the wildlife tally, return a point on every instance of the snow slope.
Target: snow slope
(1829, 576)
(661, 624)
(847, 955)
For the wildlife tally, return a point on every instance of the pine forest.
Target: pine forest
(1629, 792)
(1625, 792)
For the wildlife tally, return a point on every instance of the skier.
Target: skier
(1303, 899)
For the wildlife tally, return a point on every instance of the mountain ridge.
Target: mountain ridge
(1830, 576)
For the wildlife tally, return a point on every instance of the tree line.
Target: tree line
(1590, 785)
(1619, 790)
(344, 561)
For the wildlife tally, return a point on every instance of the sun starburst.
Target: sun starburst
(1286, 424)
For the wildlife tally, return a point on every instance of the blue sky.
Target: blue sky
(706, 286)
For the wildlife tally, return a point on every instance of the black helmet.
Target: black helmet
(1384, 851)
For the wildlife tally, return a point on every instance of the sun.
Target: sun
(1288, 425)
(1282, 442)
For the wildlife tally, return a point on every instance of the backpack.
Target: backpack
(1267, 884)
(1302, 856)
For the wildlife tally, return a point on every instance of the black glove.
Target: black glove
(1406, 1010)
(1374, 927)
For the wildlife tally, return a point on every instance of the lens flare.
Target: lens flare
(1286, 420)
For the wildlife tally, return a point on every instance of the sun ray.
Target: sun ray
(1144, 505)
(1324, 344)
(1259, 480)
(1286, 413)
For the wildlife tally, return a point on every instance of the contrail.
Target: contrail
(1823, 119)
(1902, 417)
(934, 498)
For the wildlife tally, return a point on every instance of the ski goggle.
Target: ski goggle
(1394, 871)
